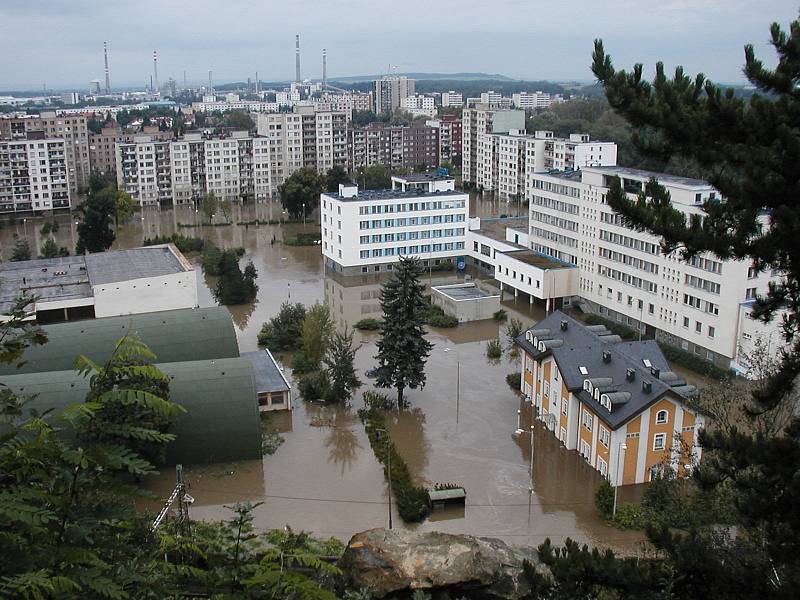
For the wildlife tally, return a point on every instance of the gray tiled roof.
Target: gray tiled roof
(137, 263)
(267, 373)
(583, 347)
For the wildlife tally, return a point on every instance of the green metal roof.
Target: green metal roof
(173, 335)
(222, 422)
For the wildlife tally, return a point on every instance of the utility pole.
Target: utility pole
(383, 432)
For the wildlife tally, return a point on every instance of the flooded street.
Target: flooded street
(324, 477)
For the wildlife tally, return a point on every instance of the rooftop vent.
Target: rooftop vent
(564, 324)
(630, 374)
(647, 387)
(655, 372)
(606, 356)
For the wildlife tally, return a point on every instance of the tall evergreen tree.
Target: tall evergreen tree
(22, 249)
(233, 286)
(402, 347)
(750, 148)
(94, 230)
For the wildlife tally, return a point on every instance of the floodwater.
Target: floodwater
(324, 477)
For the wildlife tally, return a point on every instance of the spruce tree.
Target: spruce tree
(750, 149)
(402, 347)
(340, 369)
(22, 250)
(94, 231)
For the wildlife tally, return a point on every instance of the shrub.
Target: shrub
(604, 499)
(284, 331)
(376, 401)
(368, 324)
(631, 516)
(314, 386)
(412, 501)
(692, 362)
(303, 239)
(623, 331)
(494, 349)
(445, 265)
(442, 320)
(301, 364)
(500, 315)
(183, 243)
(514, 381)
(214, 257)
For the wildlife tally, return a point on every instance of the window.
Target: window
(659, 441)
(564, 407)
(602, 466)
(588, 419)
(752, 273)
(586, 451)
(661, 417)
(686, 321)
(546, 388)
(750, 294)
(711, 331)
(698, 327)
(605, 436)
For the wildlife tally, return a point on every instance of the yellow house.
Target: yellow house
(616, 403)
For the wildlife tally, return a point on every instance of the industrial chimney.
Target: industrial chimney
(155, 70)
(108, 76)
(297, 58)
(324, 70)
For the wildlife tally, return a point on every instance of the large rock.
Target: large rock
(396, 561)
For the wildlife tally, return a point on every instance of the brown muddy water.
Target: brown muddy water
(324, 477)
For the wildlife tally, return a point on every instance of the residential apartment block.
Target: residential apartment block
(483, 119)
(534, 100)
(616, 403)
(368, 231)
(71, 128)
(304, 138)
(103, 145)
(450, 133)
(181, 171)
(419, 105)
(696, 305)
(415, 146)
(389, 92)
(452, 98)
(33, 174)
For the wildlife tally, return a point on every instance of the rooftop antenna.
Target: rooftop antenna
(256, 82)
(155, 69)
(324, 69)
(297, 58)
(108, 77)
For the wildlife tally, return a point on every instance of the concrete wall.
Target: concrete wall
(472, 309)
(152, 294)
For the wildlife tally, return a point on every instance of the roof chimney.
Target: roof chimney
(647, 387)
(606, 356)
(655, 372)
(630, 374)
(564, 324)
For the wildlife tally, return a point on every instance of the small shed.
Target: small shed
(272, 387)
(466, 301)
(441, 498)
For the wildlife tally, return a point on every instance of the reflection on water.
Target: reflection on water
(324, 477)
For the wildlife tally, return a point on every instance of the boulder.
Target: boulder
(397, 561)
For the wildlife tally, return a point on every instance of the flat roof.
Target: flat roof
(422, 177)
(389, 194)
(136, 263)
(268, 375)
(529, 257)
(463, 291)
(645, 175)
(495, 228)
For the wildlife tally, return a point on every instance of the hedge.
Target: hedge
(182, 242)
(412, 500)
(623, 331)
(692, 362)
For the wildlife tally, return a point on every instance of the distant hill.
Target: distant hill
(425, 76)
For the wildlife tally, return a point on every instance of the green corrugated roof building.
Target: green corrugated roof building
(173, 335)
(221, 424)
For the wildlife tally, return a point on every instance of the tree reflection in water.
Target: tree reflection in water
(341, 440)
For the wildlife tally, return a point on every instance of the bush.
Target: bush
(442, 320)
(604, 499)
(304, 239)
(301, 364)
(182, 242)
(376, 401)
(445, 265)
(623, 331)
(412, 501)
(314, 386)
(631, 516)
(284, 332)
(368, 324)
(692, 362)
(514, 381)
(214, 257)
(49, 227)
(494, 349)
(500, 316)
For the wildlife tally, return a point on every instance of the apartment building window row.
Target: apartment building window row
(410, 222)
(553, 204)
(704, 305)
(552, 252)
(553, 220)
(376, 209)
(557, 188)
(614, 219)
(638, 282)
(629, 242)
(702, 284)
(707, 264)
(411, 250)
(409, 235)
(627, 259)
(554, 237)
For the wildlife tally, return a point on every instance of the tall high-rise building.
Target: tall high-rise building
(33, 174)
(391, 91)
(483, 119)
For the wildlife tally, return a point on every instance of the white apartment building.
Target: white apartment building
(33, 175)
(304, 138)
(695, 305)
(182, 171)
(534, 100)
(420, 105)
(491, 97)
(506, 160)
(452, 98)
(482, 120)
(227, 105)
(368, 231)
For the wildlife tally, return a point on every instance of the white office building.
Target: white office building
(699, 305)
(368, 231)
(420, 106)
(452, 98)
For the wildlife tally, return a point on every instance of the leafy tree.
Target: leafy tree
(124, 207)
(22, 250)
(604, 498)
(51, 250)
(285, 330)
(376, 177)
(340, 367)
(334, 177)
(301, 188)
(130, 398)
(226, 208)
(94, 230)
(514, 329)
(94, 125)
(233, 286)
(365, 117)
(317, 331)
(209, 205)
(402, 347)
(750, 149)
(238, 119)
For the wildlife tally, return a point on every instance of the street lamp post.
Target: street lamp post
(458, 382)
(388, 469)
(304, 217)
(620, 447)
(531, 453)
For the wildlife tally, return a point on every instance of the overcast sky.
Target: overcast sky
(60, 42)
